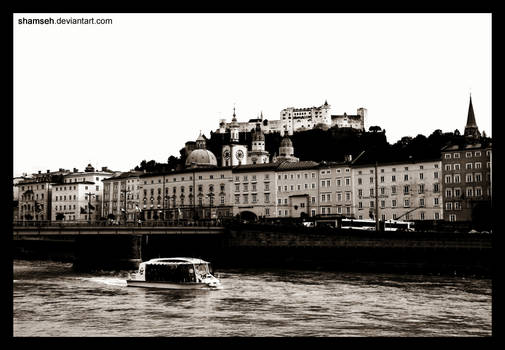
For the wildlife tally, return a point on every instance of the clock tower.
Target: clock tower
(234, 154)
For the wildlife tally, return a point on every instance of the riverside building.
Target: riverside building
(401, 190)
(34, 201)
(467, 170)
(121, 196)
(80, 196)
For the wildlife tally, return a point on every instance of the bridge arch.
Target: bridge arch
(248, 215)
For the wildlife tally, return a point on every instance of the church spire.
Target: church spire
(471, 116)
(471, 128)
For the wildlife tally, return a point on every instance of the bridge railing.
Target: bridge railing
(157, 223)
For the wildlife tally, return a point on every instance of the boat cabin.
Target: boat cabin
(185, 270)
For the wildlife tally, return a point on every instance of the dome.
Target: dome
(286, 142)
(201, 158)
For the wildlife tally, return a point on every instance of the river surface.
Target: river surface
(50, 299)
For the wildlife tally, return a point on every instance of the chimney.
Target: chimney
(348, 158)
(48, 171)
(40, 172)
(104, 168)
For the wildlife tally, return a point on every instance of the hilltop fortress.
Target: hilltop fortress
(300, 119)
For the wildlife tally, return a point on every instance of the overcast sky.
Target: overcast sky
(139, 88)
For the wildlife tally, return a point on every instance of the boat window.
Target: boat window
(201, 269)
(169, 273)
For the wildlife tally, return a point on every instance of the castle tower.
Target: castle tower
(325, 113)
(362, 112)
(471, 129)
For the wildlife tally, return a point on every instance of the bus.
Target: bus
(370, 225)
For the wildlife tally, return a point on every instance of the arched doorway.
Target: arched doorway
(248, 216)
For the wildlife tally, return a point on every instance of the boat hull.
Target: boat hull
(168, 285)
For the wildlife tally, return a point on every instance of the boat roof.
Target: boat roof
(177, 261)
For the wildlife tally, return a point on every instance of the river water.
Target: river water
(50, 299)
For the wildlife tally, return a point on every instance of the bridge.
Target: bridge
(101, 245)
(52, 230)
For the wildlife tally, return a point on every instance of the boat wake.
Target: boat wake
(106, 280)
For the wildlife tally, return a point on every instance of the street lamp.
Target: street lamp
(89, 194)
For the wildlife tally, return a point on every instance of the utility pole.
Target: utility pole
(377, 226)
(194, 196)
(124, 192)
(89, 194)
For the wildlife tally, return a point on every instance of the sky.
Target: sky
(139, 88)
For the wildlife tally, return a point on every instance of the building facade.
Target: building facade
(195, 193)
(402, 191)
(253, 189)
(336, 188)
(467, 179)
(121, 196)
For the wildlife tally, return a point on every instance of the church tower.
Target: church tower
(471, 129)
(234, 154)
(258, 155)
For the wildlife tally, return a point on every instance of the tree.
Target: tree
(374, 129)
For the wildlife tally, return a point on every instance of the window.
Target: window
(447, 179)
(406, 177)
(457, 178)
(382, 178)
(360, 194)
(421, 202)
(393, 178)
(360, 206)
(435, 187)
(469, 192)
(393, 189)
(447, 156)
(478, 165)
(468, 166)
(421, 188)
(448, 192)
(359, 181)
(448, 167)
(435, 175)
(347, 181)
(469, 178)
(406, 203)
(435, 201)
(406, 189)
(468, 154)
(371, 179)
(267, 197)
(237, 199)
(383, 204)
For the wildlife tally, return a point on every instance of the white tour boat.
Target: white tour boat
(174, 273)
